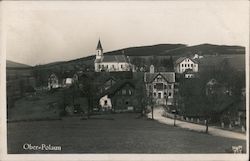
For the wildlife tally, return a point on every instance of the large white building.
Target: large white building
(184, 63)
(110, 63)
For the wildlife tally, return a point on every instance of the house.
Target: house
(53, 81)
(160, 86)
(121, 97)
(184, 63)
(108, 83)
(189, 73)
(213, 87)
(105, 103)
(111, 63)
(197, 56)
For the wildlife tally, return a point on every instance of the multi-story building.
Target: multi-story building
(110, 63)
(184, 63)
(160, 86)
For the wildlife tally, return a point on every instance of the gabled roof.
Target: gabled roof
(99, 45)
(181, 59)
(115, 58)
(117, 86)
(168, 76)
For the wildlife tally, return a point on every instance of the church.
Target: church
(110, 63)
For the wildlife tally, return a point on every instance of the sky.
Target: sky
(43, 31)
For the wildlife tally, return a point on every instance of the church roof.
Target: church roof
(99, 45)
(168, 76)
(115, 58)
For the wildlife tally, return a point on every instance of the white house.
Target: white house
(110, 63)
(53, 82)
(184, 63)
(196, 56)
(105, 103)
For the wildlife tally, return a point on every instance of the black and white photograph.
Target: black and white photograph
(125, 77)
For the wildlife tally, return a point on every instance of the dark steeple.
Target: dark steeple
(99, 45)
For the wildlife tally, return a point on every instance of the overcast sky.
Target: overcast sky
(43, 32)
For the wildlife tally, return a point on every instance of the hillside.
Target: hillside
(206, 49)
(12, 64)
(153, 50)
(160, 50)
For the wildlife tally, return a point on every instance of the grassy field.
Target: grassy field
(42, 106)
(37, 107)
(117, 133)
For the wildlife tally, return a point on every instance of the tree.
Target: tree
(90, 90)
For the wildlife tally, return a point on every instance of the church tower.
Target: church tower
(99, 50)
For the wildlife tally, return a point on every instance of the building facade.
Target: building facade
(184, 63)
(160, 86)
(110, 63)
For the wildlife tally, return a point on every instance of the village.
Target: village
(184, 87)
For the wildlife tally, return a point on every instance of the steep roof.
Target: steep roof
(181, 59)
(117, 86)
(168, 76)
(99, 45)
(115, 58)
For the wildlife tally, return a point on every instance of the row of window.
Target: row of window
(187, 65)
(165, 94)
(125, 92)
(107, 66)
(165, 86)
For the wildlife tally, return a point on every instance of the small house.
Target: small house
(53, 81)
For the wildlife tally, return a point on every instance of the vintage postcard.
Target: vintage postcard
(124, 80)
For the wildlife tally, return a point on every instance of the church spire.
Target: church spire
(99, 49)
(99, 45)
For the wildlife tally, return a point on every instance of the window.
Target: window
(188, 60)
(121, 66)
(154, 94)
(113, 66)
(99, 66)
(182, 65)
(123, 91)
(185, 65)
(194, 65)
(188, 65)
(165, 93)
(154, 86)
(170, 86)
(126, 102)
(191, 65)
(105, 102)
(169, 94)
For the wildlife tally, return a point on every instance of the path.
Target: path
(158, 111)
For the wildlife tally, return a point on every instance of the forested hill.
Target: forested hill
(157, 50)
(12, 64)
(206, 49)
(153, 50)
